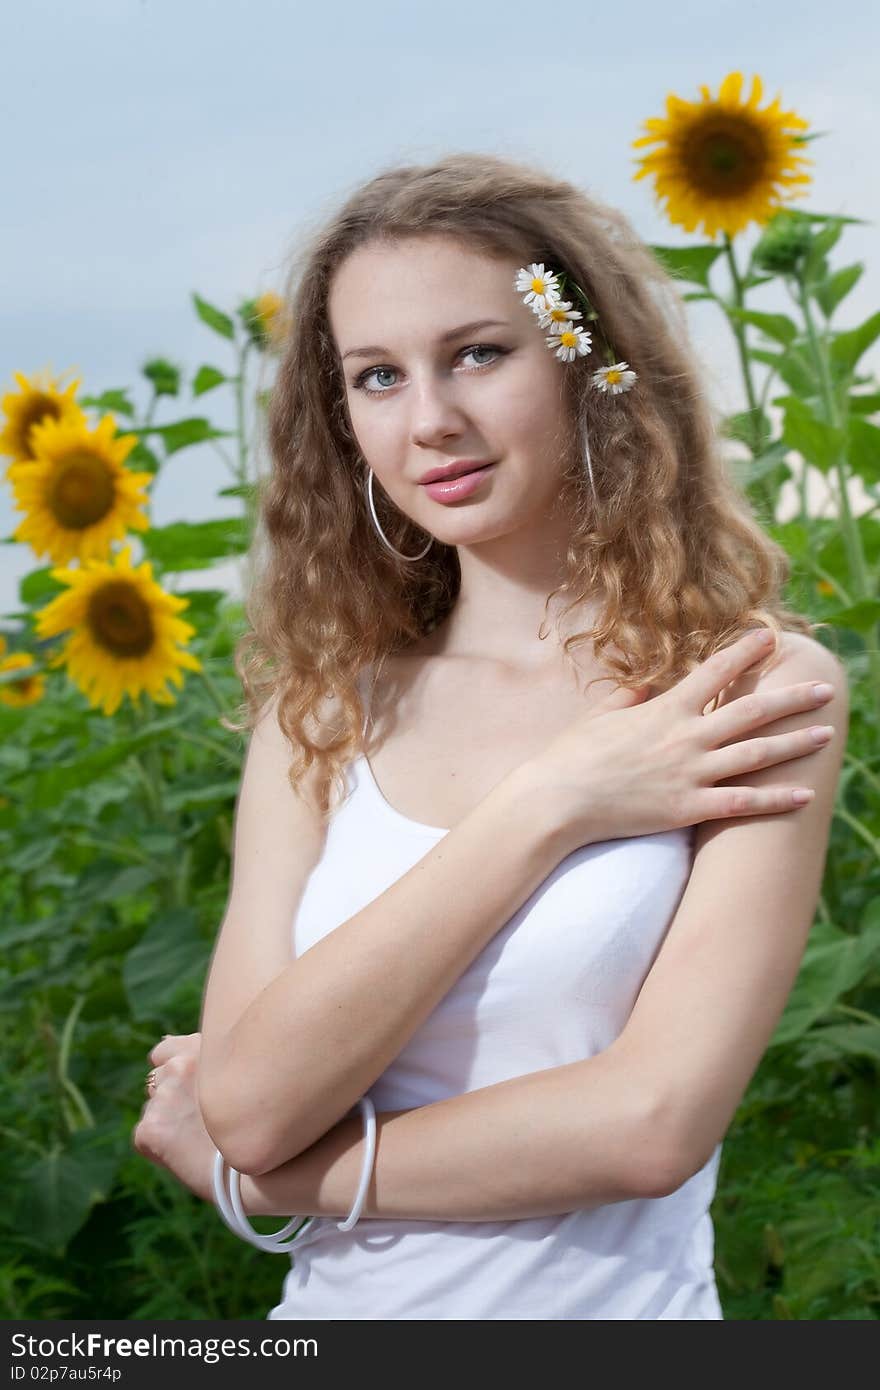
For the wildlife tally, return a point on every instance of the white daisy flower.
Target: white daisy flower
(569, 342)
(558, 315)
(615, 379)
(539, 288)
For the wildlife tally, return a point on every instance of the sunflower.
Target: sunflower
(38, 399)
(25, 691)
(125, 638)
(266, 319)
(721, 163)
(76, 491)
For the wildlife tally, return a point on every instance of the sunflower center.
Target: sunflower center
(724, 155)
(82, 490)
(119, 619)
(38, 408)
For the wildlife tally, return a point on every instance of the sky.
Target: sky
(155, 148)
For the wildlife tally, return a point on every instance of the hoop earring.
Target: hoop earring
(382, 535)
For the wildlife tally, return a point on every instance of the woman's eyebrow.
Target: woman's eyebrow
(444, 337)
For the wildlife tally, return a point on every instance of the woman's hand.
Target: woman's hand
(635, 766)
(171, 1131)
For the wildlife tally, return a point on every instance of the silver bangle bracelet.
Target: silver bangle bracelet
(233, 1213)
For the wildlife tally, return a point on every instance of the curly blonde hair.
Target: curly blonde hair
(669, 545)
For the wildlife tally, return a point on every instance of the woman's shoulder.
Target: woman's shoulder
(799, 657)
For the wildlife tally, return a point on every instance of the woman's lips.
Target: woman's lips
(451, 489)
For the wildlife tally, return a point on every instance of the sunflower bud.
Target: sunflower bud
(164, 376)
(783, 245)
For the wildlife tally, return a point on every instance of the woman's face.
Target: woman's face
(436, 390)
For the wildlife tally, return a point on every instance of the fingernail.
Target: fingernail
(801, 797)
(822, 690)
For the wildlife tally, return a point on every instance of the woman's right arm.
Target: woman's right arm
(289, 1046)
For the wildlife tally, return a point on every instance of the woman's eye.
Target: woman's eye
(360, 382)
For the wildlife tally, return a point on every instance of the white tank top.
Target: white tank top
(555, 985)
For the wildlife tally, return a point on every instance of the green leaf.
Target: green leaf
(793, 536)
(752, 280)
(55, 1195)
(143, 460)
(688, 262)
(834, 961)
(776, 326)
(847, 348)
(110, 400)
(844, 1039)
(794, 367)
(171, 953)
(820, 443)
(861, 617)
(744, 426)
(188, 545)
(206, 378)
(48, 786)
(866, 404)
(863, 450)
(197, 792)
(239, 490)
(184, 433)
(39, 587)
(203, 603)
(214, 318)
(829, 294)
(823, 242)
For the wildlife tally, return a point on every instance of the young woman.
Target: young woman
(516, 851)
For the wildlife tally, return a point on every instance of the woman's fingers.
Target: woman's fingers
(701, 685)
(753, 711)
(171, 1044)
(724, 803)
(751, 754)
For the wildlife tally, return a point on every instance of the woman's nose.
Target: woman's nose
(435, 413)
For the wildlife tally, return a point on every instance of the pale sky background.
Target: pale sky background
(154, 148)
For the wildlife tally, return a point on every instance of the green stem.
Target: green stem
(856, 1013)
(852, 536)
(230, 462)
(739, 330)
(149, 769)
(213, 690)
(240, 414)
(852, 760)
(111, 847)
(217, 749)
(859, 827)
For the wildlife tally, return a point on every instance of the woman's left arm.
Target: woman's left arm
(635, 1120)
